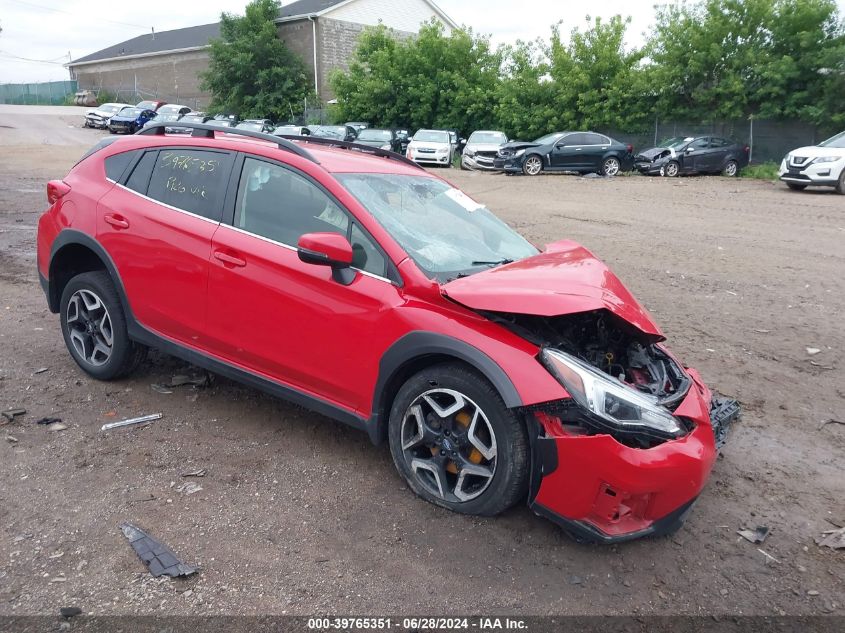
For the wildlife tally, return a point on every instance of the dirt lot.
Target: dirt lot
(300, 515)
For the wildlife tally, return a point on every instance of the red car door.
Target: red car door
(287, 320)
(157, 227)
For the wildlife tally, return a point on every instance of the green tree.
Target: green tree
(251, 72)
(525, 99)
(431, 80)
(733, 58)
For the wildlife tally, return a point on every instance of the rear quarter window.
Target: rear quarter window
(117, 164)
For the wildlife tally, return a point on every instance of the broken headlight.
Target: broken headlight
(613, 404)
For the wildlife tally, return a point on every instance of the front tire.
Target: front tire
(532, 166)
(731, 170)
(840, 186)
(611, 166)
(672, 169)
(456, 444)
(94, 327)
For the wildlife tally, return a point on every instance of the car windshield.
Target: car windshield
(549, 138)
(219, 123)
(375, 135)
(676, 142)
(146, 105)
(329, 131)
(130, 113)
(292, 130)
(431, 136)
(110, 108)
(835, 141)
(442, 229)
(487, 138)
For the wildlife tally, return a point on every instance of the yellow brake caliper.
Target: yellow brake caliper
(463, 418)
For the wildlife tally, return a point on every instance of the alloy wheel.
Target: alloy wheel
(533, 165)
(730, 169)
(611, 167)
(671, 170)
(449, 445)
(90, 327)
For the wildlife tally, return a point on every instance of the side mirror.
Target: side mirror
(328, 249)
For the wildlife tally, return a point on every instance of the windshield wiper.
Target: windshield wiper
(498, 262)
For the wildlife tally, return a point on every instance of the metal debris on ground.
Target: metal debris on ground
(144, 418)
(188, 488)
(834, 539)
(200, 472)
(40, 370)
(57, 427)
(159, 559)
(47, 421)
(70, 612)
(10, 415)
(160, 389)
(756, 536)
(812, 351)
(768, 556)
(11, 439)
(196, 381)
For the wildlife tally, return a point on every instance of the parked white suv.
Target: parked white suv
(821, 165)
(431, 147)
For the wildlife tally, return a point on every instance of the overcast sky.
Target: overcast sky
(42, 31)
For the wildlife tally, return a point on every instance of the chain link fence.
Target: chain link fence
(769, 140)
(43, 93)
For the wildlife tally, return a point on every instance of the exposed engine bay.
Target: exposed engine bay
(609, 343)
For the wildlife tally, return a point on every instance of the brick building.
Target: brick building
(323, 33)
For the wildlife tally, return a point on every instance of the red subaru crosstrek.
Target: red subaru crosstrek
(347, 279)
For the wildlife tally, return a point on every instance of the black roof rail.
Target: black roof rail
(203, 130)
(367, 149)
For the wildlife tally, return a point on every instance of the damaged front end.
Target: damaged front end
(628, 453)
(652, 161)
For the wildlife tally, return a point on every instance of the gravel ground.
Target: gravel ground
(300, 515)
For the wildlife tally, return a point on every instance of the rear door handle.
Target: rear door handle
(229, 260)
(117, 221)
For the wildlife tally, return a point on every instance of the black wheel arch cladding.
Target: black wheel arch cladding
(399, 361)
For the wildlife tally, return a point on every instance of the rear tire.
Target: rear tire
(611, 166)
(840, 186)
(796, 187)
(94, 327)
(731, 169)
(455, 442)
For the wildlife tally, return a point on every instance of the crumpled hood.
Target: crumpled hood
(565, 279)
(517, 145)
(654, 152)
(482, 147)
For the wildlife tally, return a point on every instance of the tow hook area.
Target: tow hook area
(723, 413)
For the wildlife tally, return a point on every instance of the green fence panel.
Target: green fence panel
(43, 93)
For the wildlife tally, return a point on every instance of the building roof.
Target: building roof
(165, 41)
(307, 7)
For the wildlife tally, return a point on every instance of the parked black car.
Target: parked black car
(693, 155)
(383, 139)
(335, 132)
(192, 117)
(582, 152)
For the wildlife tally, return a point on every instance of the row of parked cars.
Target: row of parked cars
(491, 150)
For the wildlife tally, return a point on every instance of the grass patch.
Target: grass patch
(761, 171)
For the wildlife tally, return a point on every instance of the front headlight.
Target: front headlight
(469, 153)
(827, 159)
(615, 404)
(519, 153)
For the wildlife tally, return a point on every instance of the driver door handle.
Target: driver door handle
(117, 221)
(229, 260)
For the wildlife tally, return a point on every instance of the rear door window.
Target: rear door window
(595, 139)
(191, 180)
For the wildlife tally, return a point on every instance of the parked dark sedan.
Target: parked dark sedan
(334, 132)
(693, 155)
(167, 117)
(582, 152)
(130, 120)
(383, 139)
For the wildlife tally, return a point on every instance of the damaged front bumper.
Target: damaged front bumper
(602, 491)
